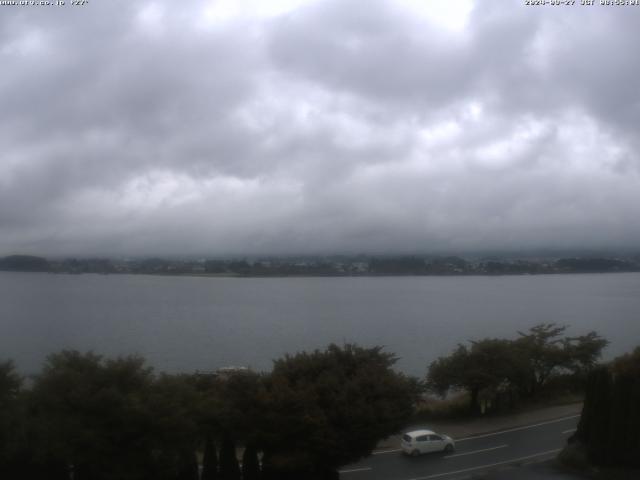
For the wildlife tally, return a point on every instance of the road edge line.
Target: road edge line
(515, 429)
(476, 451)
(506, 462)
(353, 470)
(484, 435)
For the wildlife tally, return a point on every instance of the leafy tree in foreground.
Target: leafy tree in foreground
(329, 408)
(495, 368)
(91, 413)
(229, 467)
(112, 419)
(488, 365)
(583, 352)
(171, 404)
(188, 466)
(209, 460)
(240, 405)
(546, 353)
(542, 347)
(609, 428)
(250, 463)
(11, 414)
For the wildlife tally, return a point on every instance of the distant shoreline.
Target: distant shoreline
(302, 275)
(336, 266)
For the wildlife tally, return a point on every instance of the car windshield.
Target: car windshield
(407, 438)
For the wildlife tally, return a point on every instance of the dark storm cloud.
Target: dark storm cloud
(215, 127)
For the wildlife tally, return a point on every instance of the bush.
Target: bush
(574, 457)
(434, 408)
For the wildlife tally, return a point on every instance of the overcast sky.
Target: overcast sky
(292, 126)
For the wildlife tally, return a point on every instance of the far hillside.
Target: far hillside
(24, 263)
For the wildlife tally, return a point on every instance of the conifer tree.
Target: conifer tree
(229, 468)
(250, 463)
(594, 426)
(188, 466)
(209, 460)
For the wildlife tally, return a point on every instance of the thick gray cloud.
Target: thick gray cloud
(340, 125)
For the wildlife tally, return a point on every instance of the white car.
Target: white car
(418, 442)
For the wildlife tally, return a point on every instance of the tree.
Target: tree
(229, 468)
(209, 460)
(113, 419)
(627, 364)
(10, 383)
(92, 414)
(542, 346)
(609, 428)
(187, 466)
(329, 408)
(231, 409)
(583, 352)
(486, 367)
(172, 405)
(492, 369)
(250, 463)
(11, 416)
(239, 405)
(547, 353)
(596, 414)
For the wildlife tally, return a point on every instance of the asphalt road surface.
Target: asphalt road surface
(473, 455)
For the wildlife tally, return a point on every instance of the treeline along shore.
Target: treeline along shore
(326, 266)
(87, 417)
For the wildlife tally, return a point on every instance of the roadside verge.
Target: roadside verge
(464, 428)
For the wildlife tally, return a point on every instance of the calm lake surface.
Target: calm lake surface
(189, 323)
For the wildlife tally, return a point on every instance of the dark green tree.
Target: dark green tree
(90, 413)
(10, 383)
(329, 408)
(495, 371)
(113, 419)
(11, 416)
(239, 405)
(583, 352)
(609, 428)
(542, 345)
(594, 423)
(229, 467)
(172, 405)
(250, 463)
(209, 460)
(549, 353)
(483, 369)
(187, 465)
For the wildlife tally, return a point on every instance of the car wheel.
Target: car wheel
(448, 448)
(415, 453)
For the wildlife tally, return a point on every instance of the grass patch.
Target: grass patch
(456, 406)
(435, 408)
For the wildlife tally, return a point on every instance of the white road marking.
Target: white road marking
(353, 470)
(476, 451)
(548, 452)
(515, 429)
(571, 430)
(380, 452)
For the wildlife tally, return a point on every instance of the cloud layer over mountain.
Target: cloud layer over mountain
(231, 127)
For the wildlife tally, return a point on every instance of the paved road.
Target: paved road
(473, 455)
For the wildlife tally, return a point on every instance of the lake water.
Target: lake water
(189, 323)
